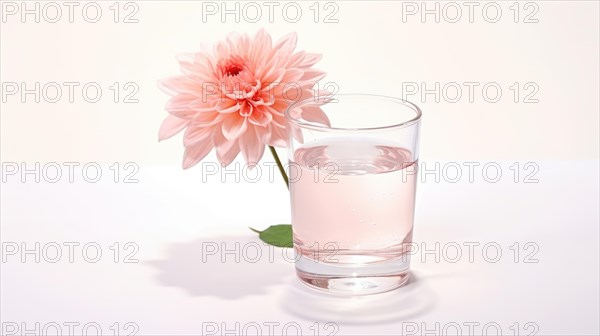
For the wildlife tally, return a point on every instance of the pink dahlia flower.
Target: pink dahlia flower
(234, 98)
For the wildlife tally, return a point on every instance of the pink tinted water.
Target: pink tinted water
(356, 196)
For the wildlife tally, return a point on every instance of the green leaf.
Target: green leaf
(277, 235)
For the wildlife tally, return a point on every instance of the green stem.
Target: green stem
(281, 169)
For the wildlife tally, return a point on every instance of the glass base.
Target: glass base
(353, 279)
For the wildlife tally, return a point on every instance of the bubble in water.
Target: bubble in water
(361, 221)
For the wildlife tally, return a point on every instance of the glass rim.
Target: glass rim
(395, 100)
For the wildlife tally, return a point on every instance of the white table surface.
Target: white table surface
(171, 216)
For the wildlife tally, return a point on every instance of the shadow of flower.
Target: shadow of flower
(227, 267)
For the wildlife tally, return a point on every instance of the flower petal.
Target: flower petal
(207, 118)
(304, 60)
(199, 105)
(310, 59)
(190, 65)
(251, 146)
(315, 114)
(278, 136)
(287, 44)
(266, 97)
(262, 45)
(195, 134)
(272, 78)
(260, 117)
(179, 106)
(227, 106)
(195, 153)
(221, 50)
(171, 126)
(297, 133)
(234, 126)
(312, 76)
(278, 118)
(226, 150)
(292, 76)
(246, 109)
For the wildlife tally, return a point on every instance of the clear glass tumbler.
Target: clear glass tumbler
(353, 174)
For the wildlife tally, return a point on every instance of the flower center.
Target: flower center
(233, 69)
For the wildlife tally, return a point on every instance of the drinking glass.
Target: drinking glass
(353, 174)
